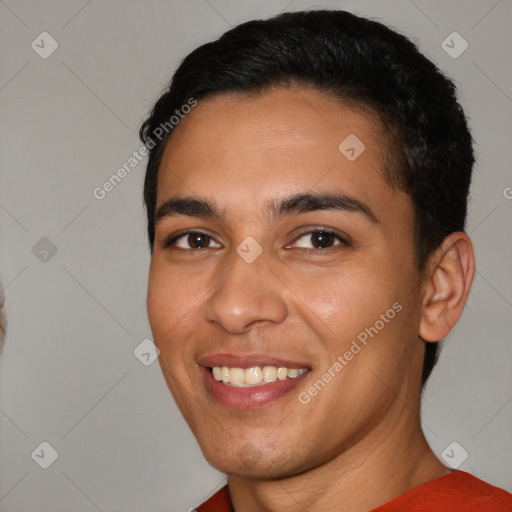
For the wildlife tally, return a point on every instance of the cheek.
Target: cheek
(171, 294)
(360, 315)
(340, 303)
(171, 307)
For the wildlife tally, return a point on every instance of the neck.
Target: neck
(393, 459)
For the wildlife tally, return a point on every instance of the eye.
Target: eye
(317, 240)
(190, 240)
(320, 240)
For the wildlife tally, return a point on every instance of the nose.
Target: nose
(248, 294)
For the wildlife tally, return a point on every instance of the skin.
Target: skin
(363, 428)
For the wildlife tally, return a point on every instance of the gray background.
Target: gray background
(68, 375)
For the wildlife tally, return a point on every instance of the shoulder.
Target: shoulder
(479, 496)
(219, 502)
(458, 491)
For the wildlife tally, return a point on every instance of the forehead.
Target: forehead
(246, 148)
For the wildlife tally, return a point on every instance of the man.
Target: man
(306, 215)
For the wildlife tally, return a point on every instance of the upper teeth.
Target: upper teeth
(255, 375)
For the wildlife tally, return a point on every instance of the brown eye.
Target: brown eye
(191, 240)
(198, 240)
(320, 240)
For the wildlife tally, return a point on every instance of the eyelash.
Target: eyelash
(344, 241)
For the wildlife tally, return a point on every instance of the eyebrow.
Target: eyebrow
(277, 208)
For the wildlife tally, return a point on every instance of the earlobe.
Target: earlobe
(449, 279)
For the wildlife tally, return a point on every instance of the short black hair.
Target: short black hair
(360, 62)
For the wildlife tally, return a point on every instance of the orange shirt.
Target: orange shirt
(456, 492)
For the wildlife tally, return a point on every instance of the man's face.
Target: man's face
(296, 286)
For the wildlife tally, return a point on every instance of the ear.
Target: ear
(451, 269)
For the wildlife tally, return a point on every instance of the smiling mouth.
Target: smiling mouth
(254, 375)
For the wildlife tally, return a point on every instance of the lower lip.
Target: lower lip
(248, 397)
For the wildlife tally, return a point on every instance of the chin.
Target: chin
(252, 461)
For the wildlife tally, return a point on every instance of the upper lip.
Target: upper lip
(247, 361)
